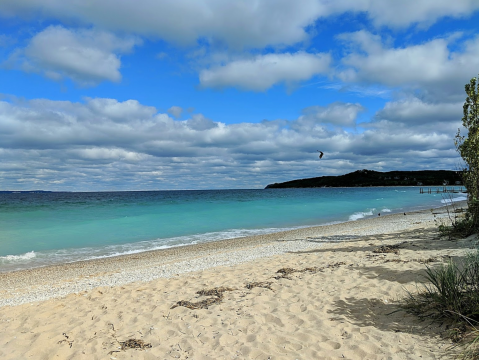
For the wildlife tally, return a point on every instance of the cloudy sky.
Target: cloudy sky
(209, 94)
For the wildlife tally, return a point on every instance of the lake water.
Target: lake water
(51, 228)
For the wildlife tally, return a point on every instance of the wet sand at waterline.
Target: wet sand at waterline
(335, 296)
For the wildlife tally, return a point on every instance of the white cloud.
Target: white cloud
(86, 56)
(343, 114)
(250, 24)
(103, 144)
(126, 111)
(199, 122)
(110, 154)
(263, 72)
(237, 23)
(404, 13)
(431, 66)
(413, 111)
(175, 111)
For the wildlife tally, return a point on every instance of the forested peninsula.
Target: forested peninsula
(361, 178)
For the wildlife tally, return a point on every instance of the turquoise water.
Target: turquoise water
(42, 229)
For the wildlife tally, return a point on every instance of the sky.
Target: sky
(120, 95)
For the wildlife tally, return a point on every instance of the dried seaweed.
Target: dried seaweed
(335, 265)
(204, 304)
(134, 344)
(69, 342)
(314, 269)
(387, 249)
(288, 271)
(218, 291)
(284, 273)
(262, 284)
(427, 261)
(396, 261)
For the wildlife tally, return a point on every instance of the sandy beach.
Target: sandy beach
(336, 296)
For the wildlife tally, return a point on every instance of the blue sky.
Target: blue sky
(145, 95)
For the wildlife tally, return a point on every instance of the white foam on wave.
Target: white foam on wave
(448, 201)
(159, 244)
(17, 258)
(51, 257)
(386, 210)
(360, 215)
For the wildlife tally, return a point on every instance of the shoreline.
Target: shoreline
(316, 293)
(43, 283)
(28, 258)
(363, 216)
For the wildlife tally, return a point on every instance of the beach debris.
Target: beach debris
(285, 272)
(218, 291)
(427, 261)
(262, 284)
(217, 298)
(396, 261)
(204, 304)
(387, 249)
(69, 342)
(134, 344)
(335, 265)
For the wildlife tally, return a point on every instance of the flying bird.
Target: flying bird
(320, 154)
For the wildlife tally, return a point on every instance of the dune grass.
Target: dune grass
(452, 291)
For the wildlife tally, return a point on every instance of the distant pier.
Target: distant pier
(442, 190)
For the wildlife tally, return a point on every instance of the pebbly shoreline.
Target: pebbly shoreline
(33, 285)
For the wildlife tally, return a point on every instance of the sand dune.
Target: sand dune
(332, 300)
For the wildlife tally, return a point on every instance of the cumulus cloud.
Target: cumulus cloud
(199, 122)
(175, 111)
(414, 111)
(262, 72)
(126, 111)
(104, 144)
(337, 113)
(86, 56)
(236, 23)
(431, 66)
(404, 13)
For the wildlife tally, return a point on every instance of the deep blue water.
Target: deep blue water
(48, 228)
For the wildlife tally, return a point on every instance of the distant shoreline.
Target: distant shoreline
(371, 178)
(125, 191)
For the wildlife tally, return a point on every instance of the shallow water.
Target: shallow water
(48, 228)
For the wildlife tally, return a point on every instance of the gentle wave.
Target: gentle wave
(46, 258)
(360, 215)
(448, 201)
(17, 258)
(117, 221)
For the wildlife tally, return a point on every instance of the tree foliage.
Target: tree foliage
(468, 147)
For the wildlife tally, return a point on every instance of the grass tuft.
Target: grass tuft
(452, 291)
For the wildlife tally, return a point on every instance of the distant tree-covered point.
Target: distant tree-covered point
(361, 178)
